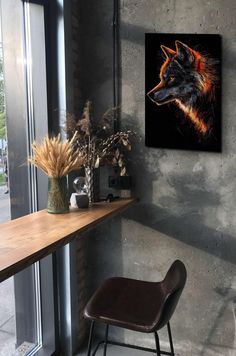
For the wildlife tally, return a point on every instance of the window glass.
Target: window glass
(23, 117)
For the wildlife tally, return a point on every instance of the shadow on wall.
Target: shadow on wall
(134, 33)
(189, 226)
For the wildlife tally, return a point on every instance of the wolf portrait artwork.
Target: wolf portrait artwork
(183, 91)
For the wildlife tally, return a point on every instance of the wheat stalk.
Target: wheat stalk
(56, 158)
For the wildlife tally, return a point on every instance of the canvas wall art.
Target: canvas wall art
(183, 91)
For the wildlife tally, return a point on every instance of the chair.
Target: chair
(136, 305)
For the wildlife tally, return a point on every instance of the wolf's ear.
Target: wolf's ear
(184, 53)
(169, 53)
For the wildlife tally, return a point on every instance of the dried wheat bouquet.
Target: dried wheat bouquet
(56, 158)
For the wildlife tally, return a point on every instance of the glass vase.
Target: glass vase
(58, 202)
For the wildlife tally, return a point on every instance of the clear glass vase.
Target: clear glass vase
(58, 202)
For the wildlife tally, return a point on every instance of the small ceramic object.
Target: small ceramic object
(82, 200)
(73, 202)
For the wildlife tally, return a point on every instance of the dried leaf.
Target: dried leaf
(117, 153)
(120, 162)
(97, 162)
(123, 171)
(114, 161)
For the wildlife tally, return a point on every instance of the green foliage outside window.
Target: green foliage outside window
(2, 125)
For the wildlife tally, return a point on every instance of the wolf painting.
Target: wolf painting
(183, 91)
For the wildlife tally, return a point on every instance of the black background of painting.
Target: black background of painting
(166, 125)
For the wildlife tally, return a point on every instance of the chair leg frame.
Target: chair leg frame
(158, 350)
(170, 339)
(106, 342)
(90, 338)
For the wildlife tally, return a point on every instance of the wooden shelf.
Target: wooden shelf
(26, 240)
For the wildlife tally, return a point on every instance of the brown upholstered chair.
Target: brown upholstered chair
(137, 305)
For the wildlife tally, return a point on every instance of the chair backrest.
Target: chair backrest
(172, 287)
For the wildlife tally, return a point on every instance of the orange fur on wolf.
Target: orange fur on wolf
(188, 79)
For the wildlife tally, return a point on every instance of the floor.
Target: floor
(117, 351)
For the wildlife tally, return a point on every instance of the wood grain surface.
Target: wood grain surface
(26, 240)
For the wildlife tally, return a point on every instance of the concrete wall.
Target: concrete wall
(187, 207)
(93, 49)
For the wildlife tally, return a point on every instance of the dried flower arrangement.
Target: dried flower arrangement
(96, 142)
(56, 158)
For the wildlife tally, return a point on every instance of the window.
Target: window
(24, 54)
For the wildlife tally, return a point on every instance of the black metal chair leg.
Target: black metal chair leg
(157, 344)
(90, 338)
(170, 339)
(105, 341)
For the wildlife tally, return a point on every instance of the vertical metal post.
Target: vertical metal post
(116, 64)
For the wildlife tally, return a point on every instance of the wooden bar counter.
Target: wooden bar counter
(26, 240)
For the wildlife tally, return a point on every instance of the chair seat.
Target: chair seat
(128, 303)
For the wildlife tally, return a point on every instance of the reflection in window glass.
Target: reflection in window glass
(23, 304)
(20, 328)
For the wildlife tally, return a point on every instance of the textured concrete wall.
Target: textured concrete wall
(93, 53)
(187, 207)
